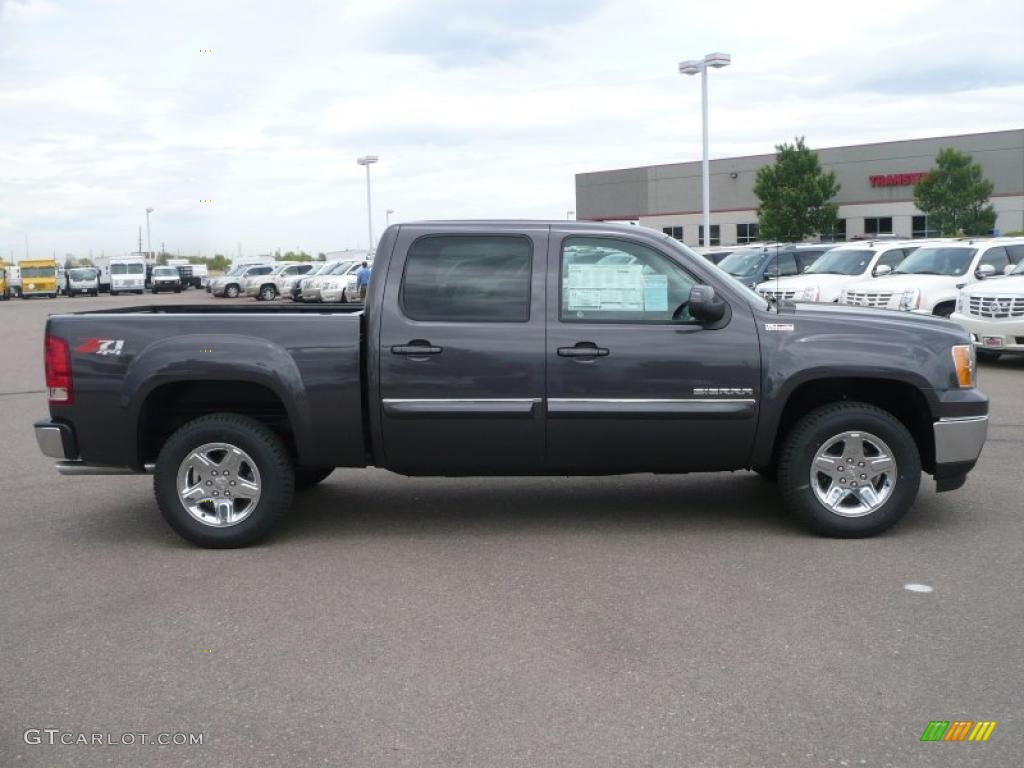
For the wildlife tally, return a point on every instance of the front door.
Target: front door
(634, 384)
(462, 352)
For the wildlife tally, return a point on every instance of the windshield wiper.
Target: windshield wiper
(923, 272)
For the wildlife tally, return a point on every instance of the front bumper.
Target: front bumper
(958, 444)
(1006, 335)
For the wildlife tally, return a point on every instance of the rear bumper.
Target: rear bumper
(958, 444)
(56, 440)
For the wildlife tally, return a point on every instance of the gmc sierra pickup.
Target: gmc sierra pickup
(516, 348)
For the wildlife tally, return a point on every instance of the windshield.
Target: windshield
(338, 268)
(938, 260)
(38, 272)
(165, 272)
(82, 273)
(127, 269)
(841, 263)
(742, 262)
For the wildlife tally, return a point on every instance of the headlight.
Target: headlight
(910, 299)
(965, 365)
(810, 293)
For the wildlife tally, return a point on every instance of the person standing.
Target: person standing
(362, 280)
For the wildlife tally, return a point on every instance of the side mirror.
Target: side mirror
(985, 270)
(705, 307)
(1009, 268)
(882, 269)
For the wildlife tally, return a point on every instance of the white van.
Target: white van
(127, 275)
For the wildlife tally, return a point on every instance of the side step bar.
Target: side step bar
(80, 468)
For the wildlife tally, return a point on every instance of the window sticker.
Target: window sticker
(606, 287)
(655, 293)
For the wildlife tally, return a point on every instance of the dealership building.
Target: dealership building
(876, 194)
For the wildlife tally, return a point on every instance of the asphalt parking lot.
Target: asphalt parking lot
(624, 621)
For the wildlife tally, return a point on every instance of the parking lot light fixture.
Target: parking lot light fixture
(368, 160)
(692, 67)
(149, 246)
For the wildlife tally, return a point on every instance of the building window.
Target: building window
(674, 232)
(715, 236)
(745, 233)
(837, 234)
(919, 228)
(878, 225)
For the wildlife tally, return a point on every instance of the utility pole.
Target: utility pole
(140, 239)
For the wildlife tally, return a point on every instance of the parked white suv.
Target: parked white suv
(930, 279)
(269, 287)
(836, 269)
(993, 312)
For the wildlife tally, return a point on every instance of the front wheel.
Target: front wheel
(231, 291)
(268, 293)
(223, 481)
(849, 470)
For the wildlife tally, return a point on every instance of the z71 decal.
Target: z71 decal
(100, 347)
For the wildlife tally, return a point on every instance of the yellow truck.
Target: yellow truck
(5, 291)
(39, 278)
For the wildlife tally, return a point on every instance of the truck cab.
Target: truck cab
(127, 275)
(39, 278)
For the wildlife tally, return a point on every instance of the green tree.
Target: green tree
(321, 256)
(795, 195)
(955, 195)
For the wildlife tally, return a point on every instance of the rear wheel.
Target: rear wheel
(944, 310)
(231, 291)
(307, 477)
(223, 481)
(849, 470)
(268, 293)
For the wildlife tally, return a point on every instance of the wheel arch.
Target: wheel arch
(903, 399)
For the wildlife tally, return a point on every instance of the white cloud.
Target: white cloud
(476, 109)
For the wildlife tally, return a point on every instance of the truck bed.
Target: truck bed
(140, 372)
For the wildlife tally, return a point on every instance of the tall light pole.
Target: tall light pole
(149, 245)
(368, 160)
(692, 67)
(387, 217)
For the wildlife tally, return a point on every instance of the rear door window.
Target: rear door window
(468, 278)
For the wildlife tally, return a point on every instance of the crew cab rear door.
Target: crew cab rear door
(461, 363)
(630, 389)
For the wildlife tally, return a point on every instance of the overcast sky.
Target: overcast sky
(477, 108)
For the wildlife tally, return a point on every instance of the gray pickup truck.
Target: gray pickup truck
(516, 348)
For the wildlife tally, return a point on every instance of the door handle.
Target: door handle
(583, 349)
(416, 347)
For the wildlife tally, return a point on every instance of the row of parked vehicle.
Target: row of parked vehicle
(328, 281)
(114, 275)
(976, 282)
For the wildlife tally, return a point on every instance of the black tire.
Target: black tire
(811, 432)
(267, 452)
(771, 474)
(177, 290)
(267, 293)
(944, 310)
(113, 292)
(231, 291)
(988, 356)
(307, 477)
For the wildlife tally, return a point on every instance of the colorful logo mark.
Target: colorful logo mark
(958, 730)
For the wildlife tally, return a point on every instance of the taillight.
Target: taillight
(57, 360)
